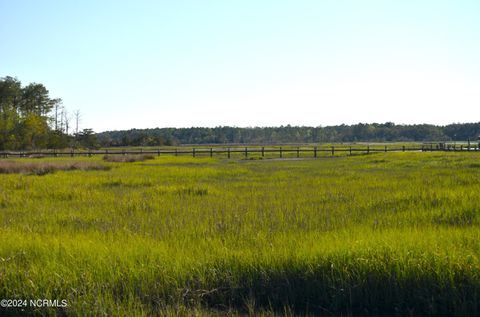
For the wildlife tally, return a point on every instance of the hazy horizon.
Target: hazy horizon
(147, 64)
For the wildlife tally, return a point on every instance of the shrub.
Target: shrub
(128, 158)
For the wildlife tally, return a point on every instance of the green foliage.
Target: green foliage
(30, 119)
(87, 138)
(35, 99)
(393, 233)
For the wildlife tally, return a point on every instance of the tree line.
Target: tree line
(31, 119)
(375, 132)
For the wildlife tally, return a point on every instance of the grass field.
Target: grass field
(381, 234)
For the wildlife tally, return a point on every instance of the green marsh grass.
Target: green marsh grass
(381, 234)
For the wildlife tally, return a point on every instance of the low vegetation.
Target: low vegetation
(381, 234)
(42, 168)
(128, 158)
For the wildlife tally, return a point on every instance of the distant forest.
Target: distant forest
(375, 132)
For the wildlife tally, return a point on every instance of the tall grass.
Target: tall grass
(393, 234)
(42, 168)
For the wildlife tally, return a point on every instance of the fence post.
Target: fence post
(246, 152)
(281, 154)
(211, 152)
(368, 149)
(263, 151)
(228, 152)
(315, 152)
(385, 148)
(403, 148)
(298, 152)
(71, 153)
(158, 152)
(193, 152)
(333, 150)
(176, 152)
(350, 151)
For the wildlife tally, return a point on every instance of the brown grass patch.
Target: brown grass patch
(36, 156)
(128, 158)
(42, 168)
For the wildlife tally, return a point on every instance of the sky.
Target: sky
(147, 64)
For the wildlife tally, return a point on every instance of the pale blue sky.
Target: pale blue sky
(140, 64)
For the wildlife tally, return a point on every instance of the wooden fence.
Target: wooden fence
(263, 151)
